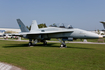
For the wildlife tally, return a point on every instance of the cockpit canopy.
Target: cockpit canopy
(61, 25)
(54, 25)
(69, 27)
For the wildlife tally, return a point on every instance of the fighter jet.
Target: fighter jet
(61, 33)
(103, 22)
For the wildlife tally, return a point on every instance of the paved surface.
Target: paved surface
(87, 42)
(59, 42)
(4, 66)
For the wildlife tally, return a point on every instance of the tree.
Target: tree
(98, 31)
(42, 25)
(54, 25)
(29, 27)
(9, 32)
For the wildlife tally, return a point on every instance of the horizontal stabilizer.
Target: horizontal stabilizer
(103, 24)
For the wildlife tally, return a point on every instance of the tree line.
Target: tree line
(43, 25)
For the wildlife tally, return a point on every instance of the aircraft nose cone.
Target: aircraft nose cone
(100, 36)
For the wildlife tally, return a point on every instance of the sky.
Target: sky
(83, 14)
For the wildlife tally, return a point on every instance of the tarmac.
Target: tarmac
(59, 42)
(5, 66)
(79, 42)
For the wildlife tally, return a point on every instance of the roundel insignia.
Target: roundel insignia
(19, 25)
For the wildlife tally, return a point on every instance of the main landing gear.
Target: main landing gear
(44, 42)
(63, 45)
(35, 41)
(30, 42)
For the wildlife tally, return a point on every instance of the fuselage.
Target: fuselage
(46, 33)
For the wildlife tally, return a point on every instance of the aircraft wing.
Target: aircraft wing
(41, 32)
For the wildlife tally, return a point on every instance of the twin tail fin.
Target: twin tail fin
(22, 26)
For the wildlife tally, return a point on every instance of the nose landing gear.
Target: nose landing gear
(63, 45)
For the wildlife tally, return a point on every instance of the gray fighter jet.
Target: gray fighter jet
(103, 22)
(61, 33)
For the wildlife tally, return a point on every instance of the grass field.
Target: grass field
(51, 57)
(78, 40)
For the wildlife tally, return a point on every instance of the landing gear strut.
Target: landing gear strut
(63, 45)
(44, 42)
(30, 43)
(35, 41)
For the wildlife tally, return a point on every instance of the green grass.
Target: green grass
(78, 40)
(51, 57)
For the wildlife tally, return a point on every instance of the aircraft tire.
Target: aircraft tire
(30, 43)
(45, 43)
(62, 45)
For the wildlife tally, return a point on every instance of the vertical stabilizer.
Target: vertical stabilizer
(34, 26)
(22, 26)
(103, 24)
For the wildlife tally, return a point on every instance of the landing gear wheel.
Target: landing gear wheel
(45, 43)
(62, 45)
(30, 43)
